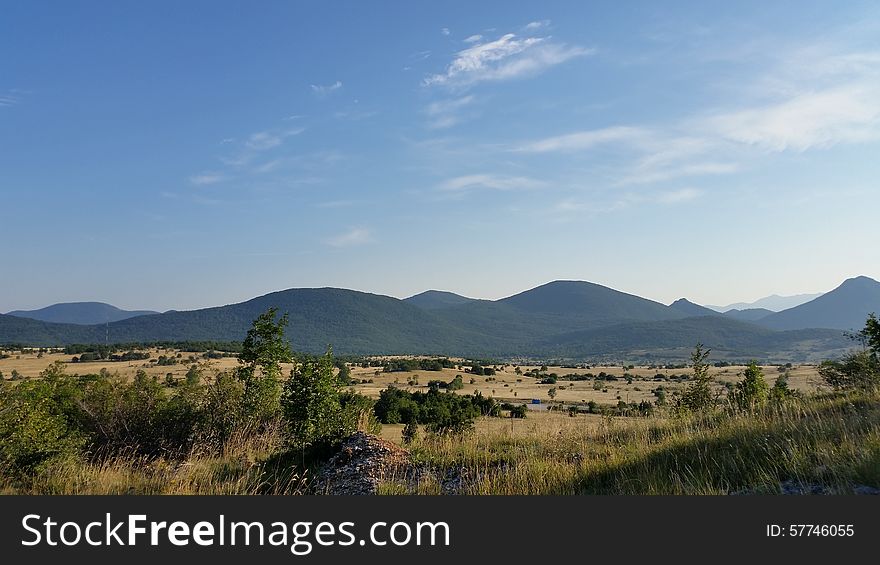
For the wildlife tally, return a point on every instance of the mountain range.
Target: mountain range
(80, 313)
(561, 319)
(773, 303)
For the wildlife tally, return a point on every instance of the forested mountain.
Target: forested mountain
(85, 313)
(435, 299)
(572, 319)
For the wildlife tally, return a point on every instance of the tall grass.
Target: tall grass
(831, 440)
(251, 463)
(827, 441)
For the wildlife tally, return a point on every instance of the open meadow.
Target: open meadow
(145, 425)
(510, 383)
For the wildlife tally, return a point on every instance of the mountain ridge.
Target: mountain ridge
(568, 318)
(844, 308)
(81, 313)
(774, 303)
(435, 299)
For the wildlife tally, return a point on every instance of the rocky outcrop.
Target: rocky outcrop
(362, 463)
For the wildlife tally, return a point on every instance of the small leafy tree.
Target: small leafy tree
(871, 335)
(781, 390)
(752, 391)
(410, 431)
(312, 407)
(193, 376)
(344, 374)
(263, 351)
(698, 395)
(222, 409)
(456, 383)
(859, 370)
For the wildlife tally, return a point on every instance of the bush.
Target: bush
(441, 413)
(751, 392)
(410, 431)
(34, 428)
(456, 383)
(312, 405)
(855, 371)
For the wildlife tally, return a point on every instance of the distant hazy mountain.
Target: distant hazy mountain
(688, 308)
(846, 308)
(572, 319)
(84, 313)
(749, 314)
(774, 303)
(434, 299)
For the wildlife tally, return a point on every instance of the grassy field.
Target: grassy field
(819, 439)
(504, 386)
(830, 442)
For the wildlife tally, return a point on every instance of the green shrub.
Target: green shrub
(752, 391)
(312, 406)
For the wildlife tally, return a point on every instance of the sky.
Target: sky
(177, 155)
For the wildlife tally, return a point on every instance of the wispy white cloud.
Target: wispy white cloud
(578, 141)
(447, 113)
(473, 38)
(355, 114)
(680, 195)
(352, 237)
(848, 113)
(324, 90)
(505, 58)
(445, 31)
(336, 204)
(264, 140)
(9, 99)
(300, 163)
(650, 176)
(207, 178)
(570, 208)
(531, 26)
(491, 182)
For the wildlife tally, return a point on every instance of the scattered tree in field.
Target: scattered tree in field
(752, 391)
(781, 390)
(311, 402)
(551, 393)
(344, 374)
(410, 431)
(193, 376)
(456, 383)
(698, 395)
(263, 351)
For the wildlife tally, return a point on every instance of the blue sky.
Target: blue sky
(180, 155)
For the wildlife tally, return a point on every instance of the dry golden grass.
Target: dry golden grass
(536, 423)
(30, 364)
(831, 442)
(509, 387)
(252, 463)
